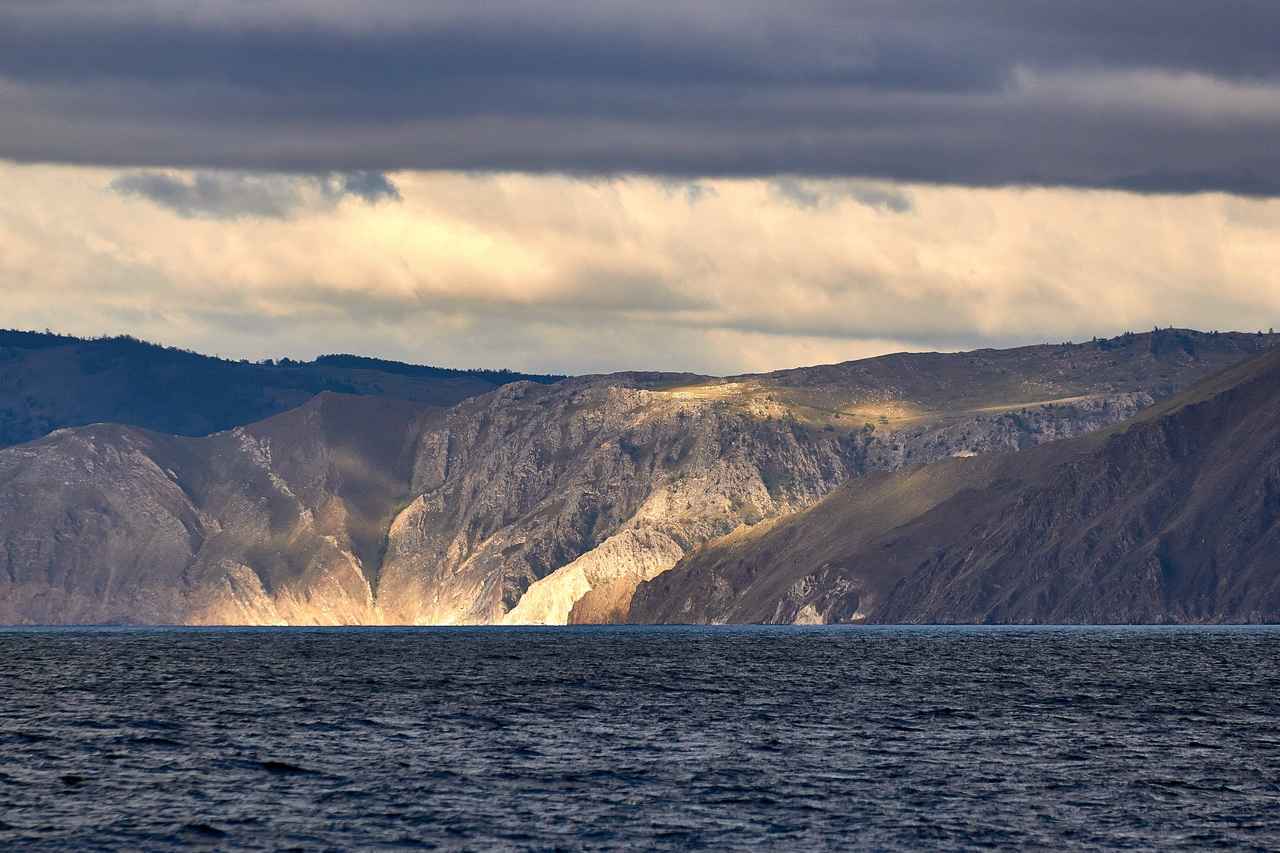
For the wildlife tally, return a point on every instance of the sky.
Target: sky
(574, 187)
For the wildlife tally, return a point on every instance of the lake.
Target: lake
(536, 739)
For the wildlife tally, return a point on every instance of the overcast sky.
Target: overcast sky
(572, 186)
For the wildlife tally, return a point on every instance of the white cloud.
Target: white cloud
(552, 273)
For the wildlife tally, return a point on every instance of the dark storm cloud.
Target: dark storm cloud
(211, 194)
(1177, 95)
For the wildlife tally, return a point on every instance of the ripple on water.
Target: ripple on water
(656, 739)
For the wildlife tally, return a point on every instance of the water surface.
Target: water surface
(526, 739)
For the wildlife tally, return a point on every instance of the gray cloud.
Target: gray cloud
(212, 194)
(1152, 95)
(369, 187)
(817, 194)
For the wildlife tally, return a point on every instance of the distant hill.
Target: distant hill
(50, 381)
(1172, 516)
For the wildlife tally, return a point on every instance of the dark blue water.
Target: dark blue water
(792, 739)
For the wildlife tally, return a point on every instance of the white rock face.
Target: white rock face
(643, 553)
(548, 601)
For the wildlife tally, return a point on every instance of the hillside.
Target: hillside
(1171, 516)
(515, 505)
(50, 382)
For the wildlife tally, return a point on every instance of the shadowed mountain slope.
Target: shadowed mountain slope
(1171, 516)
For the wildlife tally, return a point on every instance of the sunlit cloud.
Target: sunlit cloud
(559, 274)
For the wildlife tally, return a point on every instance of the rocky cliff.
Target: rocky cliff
(280, 522)
(524, 504)
(1172, 516)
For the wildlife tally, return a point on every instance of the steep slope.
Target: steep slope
(50, 382)
(514, 506)
(1169, 517)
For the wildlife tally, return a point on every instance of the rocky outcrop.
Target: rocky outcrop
(531, 504)
(1171, 517)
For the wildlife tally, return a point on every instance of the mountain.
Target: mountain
(1172, 516)
(50, 381)
(523, 503)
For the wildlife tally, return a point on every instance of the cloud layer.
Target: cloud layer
(557, 274)
(1151, 95)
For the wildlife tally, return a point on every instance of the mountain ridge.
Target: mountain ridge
(518, 504)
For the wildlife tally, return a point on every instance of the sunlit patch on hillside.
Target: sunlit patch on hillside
(708, 391)
(815, 407)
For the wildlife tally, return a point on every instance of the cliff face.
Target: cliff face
(534, 503)
(95, 530)
(280, 522)
(575, 486)
(1170, 517)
